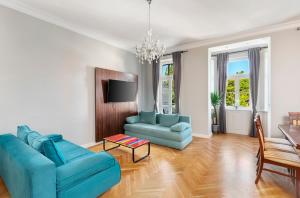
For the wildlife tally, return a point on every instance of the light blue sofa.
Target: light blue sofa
(29, 174)
(158, 134)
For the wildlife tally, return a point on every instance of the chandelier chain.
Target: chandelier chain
(149, 15)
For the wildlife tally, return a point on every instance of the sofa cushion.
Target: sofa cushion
(32, 136)
(147, 117)
(157, 131)
(37, 143)
(133, 119)
(72, 151)
(180, 126)
(22, 132)
(78, 170)
(168, 120)
(52, 152)
(55, 137)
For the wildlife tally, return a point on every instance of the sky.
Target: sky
(164, 69)
(237, 66)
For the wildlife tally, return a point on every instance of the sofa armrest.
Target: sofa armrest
(187, 119)
(26, 172)
(133, 119)
(80, 169)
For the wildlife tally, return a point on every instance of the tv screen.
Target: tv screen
(121, 91)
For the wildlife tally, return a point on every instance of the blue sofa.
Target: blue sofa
(29, 174)
(159, 134)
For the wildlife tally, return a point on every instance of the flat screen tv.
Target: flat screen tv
(121, 91)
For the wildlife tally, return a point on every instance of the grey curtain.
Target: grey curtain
(177, 78)
(222, 60)
(254, 62)
(155, 81)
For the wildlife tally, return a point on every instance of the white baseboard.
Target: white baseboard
(202, 135)
(88, 145)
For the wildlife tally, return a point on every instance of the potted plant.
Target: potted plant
(216, 100)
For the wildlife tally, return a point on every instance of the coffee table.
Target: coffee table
(129, 142)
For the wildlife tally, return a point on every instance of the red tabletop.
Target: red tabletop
(126, 140)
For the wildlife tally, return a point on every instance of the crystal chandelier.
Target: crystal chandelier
(150, 49)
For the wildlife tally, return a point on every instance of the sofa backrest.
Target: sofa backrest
(182, 118)
(26, 172)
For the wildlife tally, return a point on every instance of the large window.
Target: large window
(166, 89)
(238, 83)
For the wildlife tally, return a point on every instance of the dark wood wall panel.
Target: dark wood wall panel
(110, 117)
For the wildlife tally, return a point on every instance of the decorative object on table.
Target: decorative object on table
(216, 100)
(129, 142)
(294, 118)
(150, 50)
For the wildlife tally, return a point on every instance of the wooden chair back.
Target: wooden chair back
(260, 137)
(257, 118)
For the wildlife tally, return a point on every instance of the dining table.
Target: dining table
(292, 133)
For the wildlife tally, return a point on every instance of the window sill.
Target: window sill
(238, 109)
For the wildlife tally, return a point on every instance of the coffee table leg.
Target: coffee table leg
(133, 158)
(109, 148)
(103, 144)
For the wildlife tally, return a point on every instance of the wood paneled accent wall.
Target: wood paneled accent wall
(110, 117)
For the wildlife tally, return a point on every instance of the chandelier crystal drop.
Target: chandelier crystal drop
(150, 50)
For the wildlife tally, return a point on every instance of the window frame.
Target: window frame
(161, 104)
(161, 79)
(237, 78)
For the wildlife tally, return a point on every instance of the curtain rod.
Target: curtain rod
(171, 53)
(239, 51)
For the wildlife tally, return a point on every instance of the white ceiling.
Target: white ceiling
(175, 22)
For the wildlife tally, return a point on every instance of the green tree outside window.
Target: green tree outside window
(244, 92)
(230, 93)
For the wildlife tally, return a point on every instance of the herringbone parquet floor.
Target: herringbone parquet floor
(223, 166)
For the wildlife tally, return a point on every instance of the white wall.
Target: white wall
(285, 75)
(285, 80)
(238, 121)
(146, 77)
(47, 76)
(194, 88)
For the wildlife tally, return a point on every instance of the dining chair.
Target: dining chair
(294, 118)
(269, 145)
(273, 140)
(277, 158)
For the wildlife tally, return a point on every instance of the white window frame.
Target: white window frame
(161, 79)
(161, 105)
(237, 78)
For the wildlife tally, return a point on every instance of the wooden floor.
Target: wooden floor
(223, 166)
